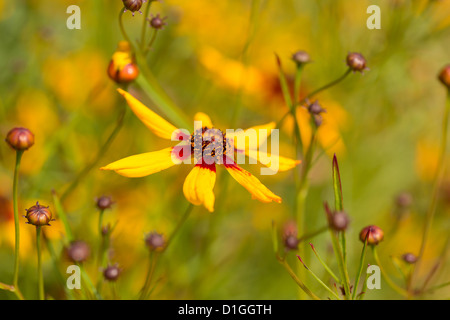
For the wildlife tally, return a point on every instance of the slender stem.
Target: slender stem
(16, 226)
(327, 268)
(39, 264)
(399, 290)
(361, 266)
(100, 153)
(312, 234)
(439, 175)
(122, 28)
(144, 25)
(364, 288)
(152, 40)
(88, 280)
(318, 280)
(153, 258)
(296, 279)
(186, 214)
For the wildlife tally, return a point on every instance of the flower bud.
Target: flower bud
(301, 58)
(339, 221)
(444, 76)
(373, 234)
(290, 236)
(155, 241)
(157, 22)
(409, 258)
(316, 108)
(133, 5)
(291, 242)
(39, 215)
(122, 68)
(20, 139)
(111, 273)
(78, 251)
(356, 62)
(104, 202)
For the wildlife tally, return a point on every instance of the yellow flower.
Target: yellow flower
(202, 146)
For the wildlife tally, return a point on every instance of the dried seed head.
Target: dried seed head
(301, 58)
(111, 273)
(123, 68)
(155, 241)
(444, 76)
(78, 251)
(356, 62)
(133, 5)
(373, 234)
(104, 202)
(157, 22)
(20, 139)
(409, 258)
(339, 221)
(38, 215)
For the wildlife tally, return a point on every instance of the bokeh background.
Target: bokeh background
(384, 125)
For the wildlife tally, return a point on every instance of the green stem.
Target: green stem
(144, 25)
(186, 214)
(296, 279)
(360, 269)
(16, 226)
(99, 155)
(39, 266)
(88, 280)
(364, 288)
(318, 280)
(399, 290)
(327, 268)
(153, 258)
(122, 28)
(436, 187)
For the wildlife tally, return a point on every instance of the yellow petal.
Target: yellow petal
(154, 122)
(252, 184)
(199, 184)
(254, 134)
(144, 164)
(204, 118)
(269, 160)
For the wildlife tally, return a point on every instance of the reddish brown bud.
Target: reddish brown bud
(409, 258)
(373, 234)
(444, 76)
(339, 221)
(122, 68)
(39, 215)
(104, 202)
(356, 62)
(291, 242)
(157, 22)
(155, 241)
(133, 5)
(301, 57)
(20, 139)
(111, 273)
(78, 251)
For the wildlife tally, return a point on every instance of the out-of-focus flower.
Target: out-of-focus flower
(301, 58)
(104, 202)
(20, 139)
(38, 215)
(199, 184)
(444, 76)
(373, 234)
(409, 258)
(155, 241)
(123, 68)
(290, 236)
(78, 251)
(339, 221)
(356, 62)
(157, 22)
(111, 273)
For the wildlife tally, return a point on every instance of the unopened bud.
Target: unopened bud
(38, 215)
(409, 258)
(301, 58)
(356, 62)
(133, 5)
(123, 68)
(104, 202)
(111, 273)
(339, 221)
(20, 139)
(157, 22)
(444, 76)
(373, 234)
(78, 251)
(155, 241)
